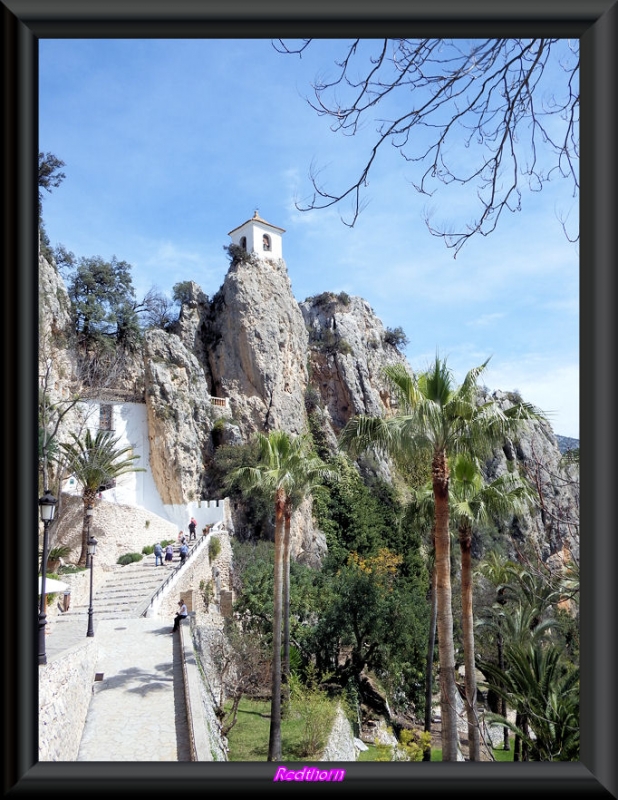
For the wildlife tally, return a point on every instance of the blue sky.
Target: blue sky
(170, 144)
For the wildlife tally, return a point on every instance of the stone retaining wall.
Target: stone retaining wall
(65, 689)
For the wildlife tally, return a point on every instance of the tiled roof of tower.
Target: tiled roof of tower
(256, 218)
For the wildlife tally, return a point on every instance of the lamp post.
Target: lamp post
(92, 549)
(47, 508)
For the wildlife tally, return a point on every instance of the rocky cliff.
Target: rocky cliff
(252, 358)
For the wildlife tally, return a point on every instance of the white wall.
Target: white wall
(129, 424)
(254, 231)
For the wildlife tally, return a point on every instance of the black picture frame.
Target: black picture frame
(595, 24)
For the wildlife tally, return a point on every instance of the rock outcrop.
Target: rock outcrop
(180, 417)
(254, 359)
(347, 354)
(258, 353)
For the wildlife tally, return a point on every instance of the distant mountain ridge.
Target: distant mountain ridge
(567, 443)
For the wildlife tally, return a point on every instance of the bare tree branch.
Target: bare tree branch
(502, 116)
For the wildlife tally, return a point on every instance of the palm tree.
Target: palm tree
(288, 473)
(308, 473)
(95, 461)
(473, 503)
(518, 618)
(495, 569)
(544, 689)
(435, 416)
(421, 507)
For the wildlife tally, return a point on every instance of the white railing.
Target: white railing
(222, 402)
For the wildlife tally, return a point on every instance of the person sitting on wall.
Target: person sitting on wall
(180, 614)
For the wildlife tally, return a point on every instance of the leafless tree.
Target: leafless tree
(158, 309)
(499, 115)
(243, 665)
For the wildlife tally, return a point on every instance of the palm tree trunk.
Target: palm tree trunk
(517, 743)
(88, 498)
(505, 730)
(274, 742)
(285, 669)
(446, 649)
(474, 739)
(429, 665)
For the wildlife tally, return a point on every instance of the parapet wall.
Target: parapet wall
(65, 689)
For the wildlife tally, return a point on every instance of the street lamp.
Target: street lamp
(47, 508)
(92, 549)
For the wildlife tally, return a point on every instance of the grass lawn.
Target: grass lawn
(248, 739)
(503, 755)
(498, 753)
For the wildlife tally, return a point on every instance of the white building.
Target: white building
(128, 422)
(259, 237)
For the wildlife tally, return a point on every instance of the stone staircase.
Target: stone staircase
(125, 593)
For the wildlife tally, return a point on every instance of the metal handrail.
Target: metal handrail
(196, 547)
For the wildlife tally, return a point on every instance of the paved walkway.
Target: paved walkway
(137, 711)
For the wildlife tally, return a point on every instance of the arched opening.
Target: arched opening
(266, 242)
(243, 242)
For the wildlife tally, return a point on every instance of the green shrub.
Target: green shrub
(70, 569)
(58, 552)
(206, 588)
(182, 292)
(312, 398)
(317, 712)
(329, 342)
(129, 558)
(214, 547)
(236, 254)
(148, 549)
(413, 744)
(396, 337)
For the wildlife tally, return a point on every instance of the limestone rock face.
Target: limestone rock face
(348, 354)
(552, 527)
(56, 358)
(259, 348)
(276, 364)
(308, 544)
(179, 417)
(190, 324)
(58, 381)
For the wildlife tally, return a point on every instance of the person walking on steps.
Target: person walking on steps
(192, 527)
(158, 554)
(184, 552)
(169, 554)
(180, 614)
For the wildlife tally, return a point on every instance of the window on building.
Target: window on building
(266, 241)
(243, 242)
(105, 417)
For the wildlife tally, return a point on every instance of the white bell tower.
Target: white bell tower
(259, 237)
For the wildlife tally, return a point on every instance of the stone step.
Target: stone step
(126, 591)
